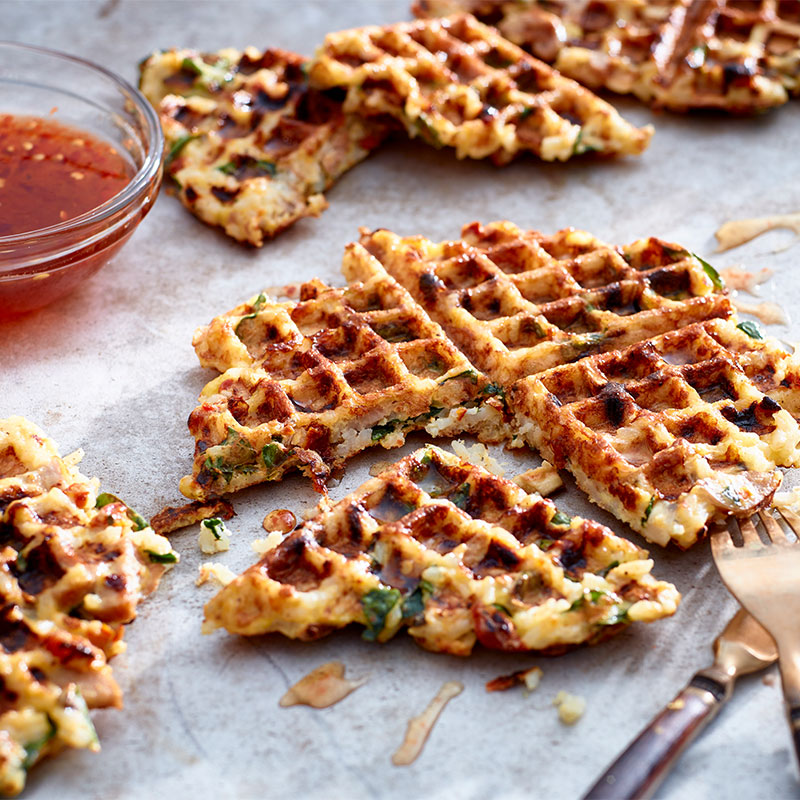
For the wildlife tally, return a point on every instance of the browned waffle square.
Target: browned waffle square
(458, 83)
(307, 384)
(455, 555)
(73, 567)
(517, 302)
(678, 54)
(250, 147)
(673, 431)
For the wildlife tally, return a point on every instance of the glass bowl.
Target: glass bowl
(39, 266)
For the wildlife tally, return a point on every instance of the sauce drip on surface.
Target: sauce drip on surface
(50, 173)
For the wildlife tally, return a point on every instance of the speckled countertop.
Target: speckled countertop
(111, 369)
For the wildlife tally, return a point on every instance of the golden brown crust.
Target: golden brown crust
(307, 384)
(74, 564)
(456, 555)
(677, 54)
(250, 147)
(457, 83)
(173, 518)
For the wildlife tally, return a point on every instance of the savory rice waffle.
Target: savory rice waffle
(308, 384)
(542, 315)
(250, 147)
(518, 302)
(673, 431)
(74, 565)
(456, 555)
(678, 54)
(455, 82)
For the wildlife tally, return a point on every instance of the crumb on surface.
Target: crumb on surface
(570, 707)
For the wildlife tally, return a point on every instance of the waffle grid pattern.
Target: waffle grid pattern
(678, 54)
(457, 83)
(518, 302)
(456, 555)
(308, 384)
(669, 432)
(250, 147)
(73, 567)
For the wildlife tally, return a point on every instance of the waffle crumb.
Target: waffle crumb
(570, 707)
(213, 536)
(543, 480)
(212, 571)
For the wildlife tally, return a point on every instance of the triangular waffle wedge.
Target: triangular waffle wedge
(250, 147)
(517, 302)
(74, 565)
(308, 384)
(458, 83)
(678, 54)
(455, 555)
(674, 431)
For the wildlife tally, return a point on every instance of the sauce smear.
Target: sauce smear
(50, 173)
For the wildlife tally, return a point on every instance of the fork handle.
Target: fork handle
(790, 680)
(640, 770)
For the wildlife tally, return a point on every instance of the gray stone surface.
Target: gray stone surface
(111, 369)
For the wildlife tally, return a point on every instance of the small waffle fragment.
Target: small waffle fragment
(679, 54)
(250, 147)
(74, 565)
(454, 554)
(518, 302)
(457, 83)
(673, 431)
(307, 384)
(172, 518)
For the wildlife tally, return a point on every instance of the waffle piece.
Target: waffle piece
(674, 431)
(306, 385)
(250, 147)
(457, 83)
(678, 54)
(74, 565)
(456, 555)
(518, 302)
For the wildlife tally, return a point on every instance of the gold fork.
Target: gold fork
(763, 573)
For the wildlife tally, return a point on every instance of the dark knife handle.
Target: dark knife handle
(639, 771)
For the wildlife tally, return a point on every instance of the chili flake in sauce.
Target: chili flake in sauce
(50, 173)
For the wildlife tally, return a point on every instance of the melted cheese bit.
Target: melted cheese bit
(788, 500)
(262, 546)
(214, 572)
(322, 687)
(738, 231)
(744, 280)
(478, 454)
(420, 727)
(281, 520)
(768, 313)
(543, 480)
(213, 536)
(570, 707)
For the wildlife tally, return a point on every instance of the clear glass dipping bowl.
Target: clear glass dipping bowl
(39, 266)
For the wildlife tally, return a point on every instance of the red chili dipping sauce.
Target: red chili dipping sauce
(50, 173)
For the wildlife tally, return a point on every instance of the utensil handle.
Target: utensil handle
(639, 771)
(790, 680)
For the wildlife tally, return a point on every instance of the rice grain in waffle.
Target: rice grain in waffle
(674, 431)
(517, 302)
(455, 555)
(74, 565)
(457, 83)
(250, 147)
(678, 54)
(306, 385)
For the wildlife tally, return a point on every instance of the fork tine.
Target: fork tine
(720, 539)
(773, 529)
(791, 518)
(749, 533)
